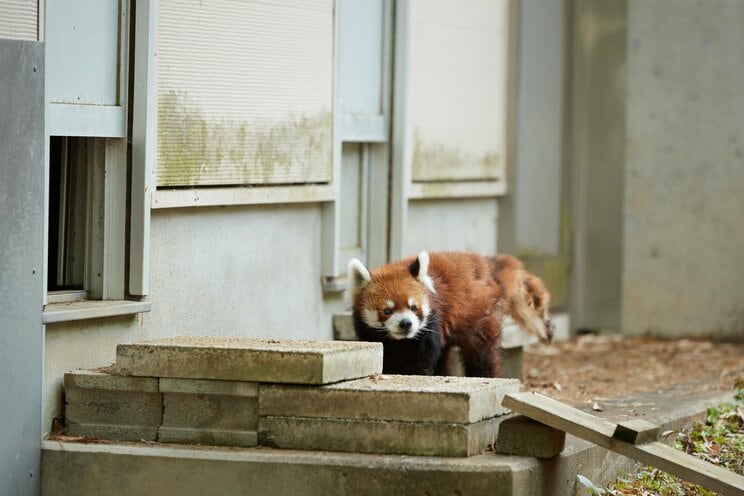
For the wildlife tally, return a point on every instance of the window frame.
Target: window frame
(107, 210)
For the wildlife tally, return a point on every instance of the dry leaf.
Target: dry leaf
(596, 407)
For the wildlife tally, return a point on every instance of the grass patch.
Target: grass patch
(718, 440)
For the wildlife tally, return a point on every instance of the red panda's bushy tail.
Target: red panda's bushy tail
(528, 301)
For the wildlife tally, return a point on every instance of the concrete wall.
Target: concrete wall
(659, 119)
(456, 224)
(239, 271)
(684, 222)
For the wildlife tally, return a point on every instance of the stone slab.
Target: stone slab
(392, 397)
(212, 437)
(253, 360)
(377, 436)
(522, 436)
(210, 411)
(207, 386)
(100, 404)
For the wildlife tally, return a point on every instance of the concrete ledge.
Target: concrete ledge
(123, 470)
(392, 397)
(251, 360)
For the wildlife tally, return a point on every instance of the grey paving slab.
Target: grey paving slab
(212, 437)
(392, 397)
(207, 386)
(113, 407)
(377, 436)
(253, 360)
(210, 411)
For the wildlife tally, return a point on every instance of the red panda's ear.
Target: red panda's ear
(358, 277)
(420, 270)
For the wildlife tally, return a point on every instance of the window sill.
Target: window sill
(92, 309)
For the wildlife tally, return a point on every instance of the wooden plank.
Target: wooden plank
(599, 431)
(636, 431)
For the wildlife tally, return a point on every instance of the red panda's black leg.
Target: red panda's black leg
(483, 362)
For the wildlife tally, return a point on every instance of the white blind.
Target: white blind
(458, 88)
(244, 92)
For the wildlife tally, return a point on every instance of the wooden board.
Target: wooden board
(599, 431)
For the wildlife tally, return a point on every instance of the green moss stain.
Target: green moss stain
(436, 161)
(195, 149)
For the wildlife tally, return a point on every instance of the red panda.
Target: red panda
(419, 307)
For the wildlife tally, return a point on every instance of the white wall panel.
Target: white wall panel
(244, 92)
(19, 19)
(457, 91)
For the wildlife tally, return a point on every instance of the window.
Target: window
(87, 88)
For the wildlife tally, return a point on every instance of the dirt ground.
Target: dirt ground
(591, 368)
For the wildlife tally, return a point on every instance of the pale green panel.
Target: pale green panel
(458, 88)
(244, 92)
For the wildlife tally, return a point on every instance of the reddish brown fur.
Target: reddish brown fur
(472, 296)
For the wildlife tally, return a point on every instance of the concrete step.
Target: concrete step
(413, 415)
(87, 469)
(252, 360)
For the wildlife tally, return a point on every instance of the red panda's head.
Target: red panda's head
(394, 298)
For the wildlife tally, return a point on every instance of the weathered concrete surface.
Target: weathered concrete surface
(392, 397)
(209, 419)
(254, 360)
(378, 436)
(125, 469)
(110, 406)
(219, 413)
(522, 436)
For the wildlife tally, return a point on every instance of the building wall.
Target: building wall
(659, 161)
(684, 230)
(249, 271)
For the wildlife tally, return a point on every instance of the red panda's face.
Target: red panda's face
(391, 299)
(397, 307)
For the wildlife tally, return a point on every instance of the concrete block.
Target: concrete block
(213, 437)
(392, 397)
(522, 436)
(253, 360)
(110, 406)
(378, 436)
(202, 411)
(206, 386)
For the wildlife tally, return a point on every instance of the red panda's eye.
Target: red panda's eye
(387, 311)
(414, 308)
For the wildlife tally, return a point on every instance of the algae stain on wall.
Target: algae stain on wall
(197, 149)
(434, 161)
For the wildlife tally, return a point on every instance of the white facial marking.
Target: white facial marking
(370, 318)
(390, 304)
(411, 302)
